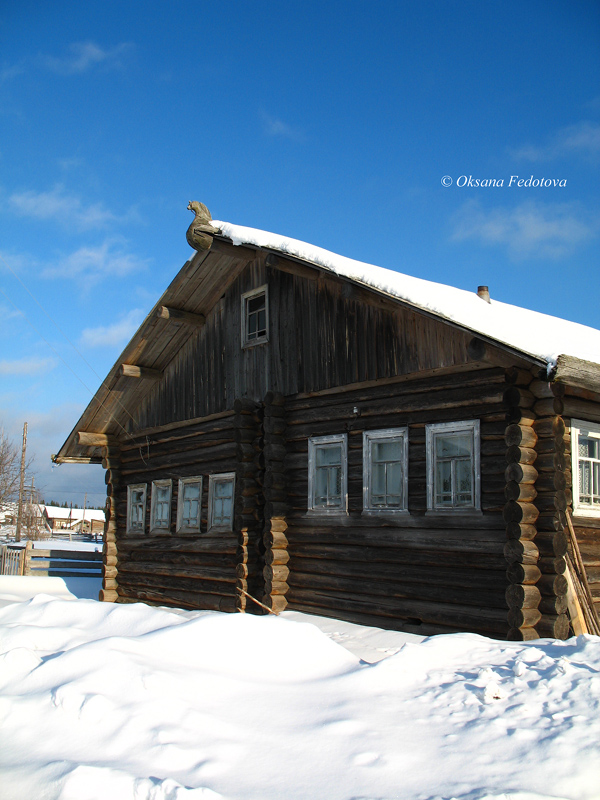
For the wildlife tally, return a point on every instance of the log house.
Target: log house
(287, 431)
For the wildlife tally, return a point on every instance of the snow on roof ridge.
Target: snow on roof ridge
(540, 335)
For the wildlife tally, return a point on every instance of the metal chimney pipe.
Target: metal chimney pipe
(482, 291)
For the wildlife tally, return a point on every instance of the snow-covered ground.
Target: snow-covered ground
(126, 702)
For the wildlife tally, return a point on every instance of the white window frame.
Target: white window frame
(134, 487)
(212, 481)
(471, 426)
(165, 526)
(370, 437)
(244, 316)
(183, 482)
(314, 443)
(592, 430)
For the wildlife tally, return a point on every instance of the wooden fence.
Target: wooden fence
(53, 563)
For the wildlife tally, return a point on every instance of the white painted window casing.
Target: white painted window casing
(221, 496)
(136, 508)
(328, 474)
(255, 316)
(585, 462)
(453, 466)
(385, 471)
(160, 506)
(189, 504)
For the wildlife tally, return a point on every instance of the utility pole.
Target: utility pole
(21, 485)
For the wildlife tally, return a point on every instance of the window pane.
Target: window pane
(443, 483)
(453, 445)
(222, 502)
(329, 454)
(464, 482)
(387, 451)
(190, 504)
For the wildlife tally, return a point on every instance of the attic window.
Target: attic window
(255, 317)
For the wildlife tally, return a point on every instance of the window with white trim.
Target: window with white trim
(385, 470)
(220, 501)
(328, 474)
(189, 503)
(585, 457)
(160, 506)
(453, 472)
(255, 317)
(136, 508)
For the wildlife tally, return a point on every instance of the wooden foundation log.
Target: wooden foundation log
(522, 634)
(523, 617)
(553, 585)
(108, 595)
(554, 606)
(555, 627)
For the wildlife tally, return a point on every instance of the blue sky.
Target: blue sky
(330, 122)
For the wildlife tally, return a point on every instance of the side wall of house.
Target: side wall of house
(421, 572)
(200, 569)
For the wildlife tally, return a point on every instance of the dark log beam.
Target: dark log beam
(133, 371)
(178, 315)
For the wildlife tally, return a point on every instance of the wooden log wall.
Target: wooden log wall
(553, 496)
(520, 513)
(275, 510)
(428, 573)
(111, 462)
(190, 570)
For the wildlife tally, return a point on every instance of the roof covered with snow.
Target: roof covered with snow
(539, 335)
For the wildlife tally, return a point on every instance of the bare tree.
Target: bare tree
(10, 467)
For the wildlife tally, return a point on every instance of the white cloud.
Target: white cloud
(115, 335)
(529, 229)
(57, 204)
(85, 55)
(89, 264)
(582, 139)
(27, 366)
(276, 127)
(9, 73)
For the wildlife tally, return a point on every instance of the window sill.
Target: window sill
(586, 513)
(385, 512)
(255, 342)
(220, 529)
(454, 512)
(327, 512)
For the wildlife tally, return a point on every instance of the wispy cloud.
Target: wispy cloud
(530, 229)
(83, 56)
(27, 366)
(113, 335)
(277, 127)
(582, 139)
(59, 205)
(88, 265)
(10, 73)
